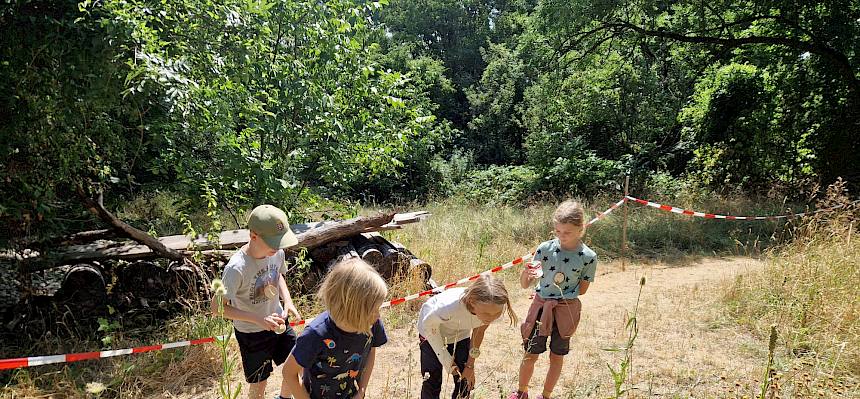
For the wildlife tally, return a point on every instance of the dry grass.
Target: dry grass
(123, 376)
(809, 292)
(688, 347)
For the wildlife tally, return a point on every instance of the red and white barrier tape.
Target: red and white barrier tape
(461, 281)
(496, 269)
(606, 212)
(6, 364)
(687, 212)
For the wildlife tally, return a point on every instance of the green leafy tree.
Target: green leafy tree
(805, 52)
(258, 101)
(65, 120)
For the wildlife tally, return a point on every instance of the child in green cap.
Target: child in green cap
(255, 285)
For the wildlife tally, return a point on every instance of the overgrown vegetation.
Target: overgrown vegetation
(808, 293)
(302, 102)
(184, 114)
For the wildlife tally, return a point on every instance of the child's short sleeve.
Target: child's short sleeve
(232, 279)
(589, 270)
(282, 258)
(379, 336)
(541, 252)
(308, 347)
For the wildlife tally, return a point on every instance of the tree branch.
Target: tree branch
(572, 43)
(590, 50)
(838, 59)
(96, 208)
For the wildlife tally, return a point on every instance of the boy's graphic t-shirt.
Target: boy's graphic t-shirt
(252, 286)
(332, 358)
(563, 269)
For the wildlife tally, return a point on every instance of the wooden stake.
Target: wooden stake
(624, 226)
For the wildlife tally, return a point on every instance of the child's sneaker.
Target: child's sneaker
(518, 395)
(540, 396)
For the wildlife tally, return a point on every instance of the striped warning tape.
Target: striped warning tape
(606, 212)
(6, 364)
(491, 271)
(453, 284)
(687, 212)
(31, 361)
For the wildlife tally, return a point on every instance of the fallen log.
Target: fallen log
(394, 261)
(88, 236)
(309, 235)
(78, 238)
(368, 250)
(332, 231)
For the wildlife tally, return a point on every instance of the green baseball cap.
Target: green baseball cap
(271, 224)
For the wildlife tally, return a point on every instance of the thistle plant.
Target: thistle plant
(228, 363)
(622, 374)
(768, 374)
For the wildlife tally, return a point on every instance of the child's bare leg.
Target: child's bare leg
(556, 363)
(527, 368)
(285, 390)
(257, 390)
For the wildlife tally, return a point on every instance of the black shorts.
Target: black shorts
(260, 349)
(537, 344)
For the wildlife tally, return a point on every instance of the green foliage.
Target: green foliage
(246, 101)
(731, 116)
(222, 330)
(108, 328)
(275, 113)
(567, 166)
(759, 69)
(494, 129)
(452, 171)
(305, 103)
(739, 94)
(499, 185)
(458, 35)
(64, 120)
(621, 376)
(448, 30)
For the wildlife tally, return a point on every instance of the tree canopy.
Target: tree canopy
(293, 102)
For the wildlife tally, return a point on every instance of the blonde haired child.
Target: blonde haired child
(453, 323)
(563, 269)
(335, 353)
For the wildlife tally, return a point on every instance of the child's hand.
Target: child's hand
(469, 374)
(271, 322)
(294, 311)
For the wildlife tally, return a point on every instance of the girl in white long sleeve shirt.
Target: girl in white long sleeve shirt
(451, 328)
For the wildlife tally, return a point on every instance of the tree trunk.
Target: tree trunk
(331, 231)
(368, 250)
(96, 208)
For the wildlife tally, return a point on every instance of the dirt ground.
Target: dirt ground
(685, 346)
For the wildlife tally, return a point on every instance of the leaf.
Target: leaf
(615, 349)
